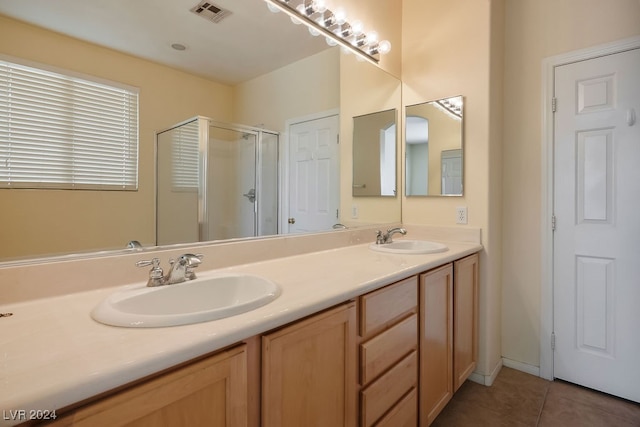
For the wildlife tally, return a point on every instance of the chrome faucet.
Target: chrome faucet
(384, 238)
(181, 270)
(134, 244)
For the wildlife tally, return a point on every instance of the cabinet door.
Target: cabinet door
(210, 392)
(465, 319)
(309, 371)
(436, 342)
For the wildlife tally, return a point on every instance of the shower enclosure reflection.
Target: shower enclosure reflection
(215, 181)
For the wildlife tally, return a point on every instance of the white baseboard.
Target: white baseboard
(486, 379)
(524, 367)
(508, 363)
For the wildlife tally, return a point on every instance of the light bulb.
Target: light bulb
(272, 8)
(384, 47)
(320, 6)
(314, 32)
(356, 26)
(341, 16)
(330, 41)
(372, 37)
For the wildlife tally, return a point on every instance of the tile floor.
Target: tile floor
(517, 399)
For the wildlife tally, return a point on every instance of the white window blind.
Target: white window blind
(184, 157)
(61, 131)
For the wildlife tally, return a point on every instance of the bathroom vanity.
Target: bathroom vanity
(357, 337)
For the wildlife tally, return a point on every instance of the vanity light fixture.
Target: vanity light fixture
(333, 25)
(453, 106)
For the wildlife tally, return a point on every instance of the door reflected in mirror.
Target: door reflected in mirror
(374, 154)
(434, 148)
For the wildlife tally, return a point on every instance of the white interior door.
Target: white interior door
(597, 236)
(314, 175)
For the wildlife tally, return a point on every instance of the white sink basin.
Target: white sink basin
(405, 246)
(193, 301)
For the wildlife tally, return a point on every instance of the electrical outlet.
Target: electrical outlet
(461, 215)
(354, 211)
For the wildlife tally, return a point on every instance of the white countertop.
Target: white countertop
(53, 354)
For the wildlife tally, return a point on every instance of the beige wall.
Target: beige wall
(41, 222)
(308, 86)
(385, 17)
(364, 89)
(452, 48)
(536, 29)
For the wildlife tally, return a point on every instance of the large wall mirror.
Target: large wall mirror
(434, 148)
(374, 154)
(253, 67)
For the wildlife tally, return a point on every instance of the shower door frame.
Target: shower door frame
(204, 123)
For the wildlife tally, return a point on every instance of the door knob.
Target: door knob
(631, 116)
(291, 221)
(251, 195)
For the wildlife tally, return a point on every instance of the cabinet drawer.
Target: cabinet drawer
(383, 394)
(381, 307)
(404, 414)
(381, 352)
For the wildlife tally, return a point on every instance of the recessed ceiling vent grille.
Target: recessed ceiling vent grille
(210, 11)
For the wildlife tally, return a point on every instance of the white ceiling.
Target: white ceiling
(251, 41)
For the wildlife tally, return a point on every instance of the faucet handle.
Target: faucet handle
(155, 274)
(379, 238)
(189, 260)
(155, 262)
(192, 261)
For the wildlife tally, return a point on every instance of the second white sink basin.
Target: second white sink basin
(406, 246)
(200, 300)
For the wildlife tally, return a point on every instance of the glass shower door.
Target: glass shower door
(268, 184)
(177, 185)
(231, 183)
(215, 181)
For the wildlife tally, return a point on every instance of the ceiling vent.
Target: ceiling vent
(210, 11)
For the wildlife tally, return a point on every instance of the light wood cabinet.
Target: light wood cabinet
(436, 342)
(389, 355)
(392, 358)
(465, 319)
(309, 371)
(404, 413)
(209, 392)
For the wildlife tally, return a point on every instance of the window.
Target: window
(65, 132)
(184, 150)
